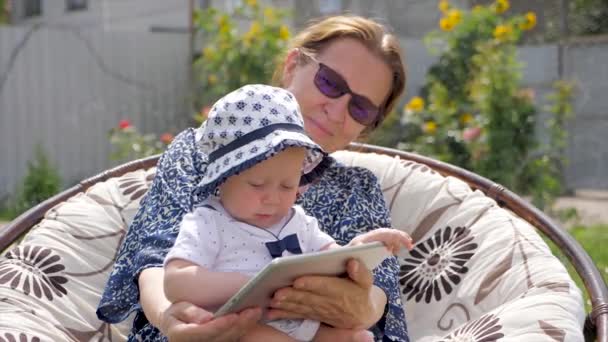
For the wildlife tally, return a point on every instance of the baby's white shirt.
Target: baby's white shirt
(211, 238)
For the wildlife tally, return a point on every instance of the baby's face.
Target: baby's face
(262, 195)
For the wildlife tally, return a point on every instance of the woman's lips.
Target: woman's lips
(319, 127)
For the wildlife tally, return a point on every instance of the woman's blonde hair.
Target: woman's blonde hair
(376, 37)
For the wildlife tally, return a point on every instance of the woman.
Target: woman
(346, 73)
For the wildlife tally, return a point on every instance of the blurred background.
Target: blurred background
(513, 90)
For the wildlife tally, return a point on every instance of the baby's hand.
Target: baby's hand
(393, 239)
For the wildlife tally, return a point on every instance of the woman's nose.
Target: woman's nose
(337, 108)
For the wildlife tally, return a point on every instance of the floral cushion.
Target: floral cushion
(485, 272)
(51, 282)
(478, 273)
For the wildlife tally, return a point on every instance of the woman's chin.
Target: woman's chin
(320, 137)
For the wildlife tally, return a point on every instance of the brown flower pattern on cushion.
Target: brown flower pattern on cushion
(9, 337)
(437, 264)
(35, 270)
(133, 187)
(484, 329)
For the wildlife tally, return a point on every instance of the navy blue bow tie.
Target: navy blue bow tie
(290, 243)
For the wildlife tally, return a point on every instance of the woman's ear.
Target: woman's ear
(289, 69)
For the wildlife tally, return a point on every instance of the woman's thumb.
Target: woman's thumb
(358, 273)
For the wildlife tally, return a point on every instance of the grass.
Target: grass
(6, 215)
(594, 240)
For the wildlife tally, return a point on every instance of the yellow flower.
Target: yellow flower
(212, 79)
(252, 3)
(208, 53)
(269, 13)
(503, 32)
(446, 24)
(502, 6)
(455, 16)
(465, 118)
(284, 32)
(416, 104)
(529, 21)
(255, 28)
(429, 127)
(223, 23)
(222, 20)
(444, 6)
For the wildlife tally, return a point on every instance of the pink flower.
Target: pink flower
(471, 133)
(205, 111)
(124, 124)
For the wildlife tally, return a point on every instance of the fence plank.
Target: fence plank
(67, 89)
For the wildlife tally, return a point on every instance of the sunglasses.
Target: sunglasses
(331, 84)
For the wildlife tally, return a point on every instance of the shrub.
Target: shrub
(472, 110)
(231, 57)
(129, 144)
(41, 181)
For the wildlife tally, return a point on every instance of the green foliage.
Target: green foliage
(129, 144)
(7, 214)
(41, 181)
(472, 110)
(544, 172)
(231, 58)
(3, 12)
(588, 17)
(592, 239)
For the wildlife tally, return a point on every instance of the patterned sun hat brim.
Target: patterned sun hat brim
(256, 151)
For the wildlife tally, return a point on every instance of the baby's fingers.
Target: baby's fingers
(395, 239)
(406, 240)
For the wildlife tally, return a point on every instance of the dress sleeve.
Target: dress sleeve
(154, 228)
(348, 201)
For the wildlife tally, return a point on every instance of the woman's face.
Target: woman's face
(327, 120)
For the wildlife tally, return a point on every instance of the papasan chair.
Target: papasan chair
(480, 271)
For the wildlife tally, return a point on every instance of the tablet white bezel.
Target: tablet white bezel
(281, 272)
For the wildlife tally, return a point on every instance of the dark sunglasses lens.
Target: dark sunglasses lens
(329, 82)
(362, 111)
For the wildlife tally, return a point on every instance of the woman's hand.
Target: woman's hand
(183, 321)
(187, 322)
(348, 303)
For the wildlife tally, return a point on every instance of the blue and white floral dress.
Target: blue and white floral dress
(347, 201)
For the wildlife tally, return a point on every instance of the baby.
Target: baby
(258, 157)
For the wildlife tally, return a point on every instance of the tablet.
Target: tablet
(281, 272)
